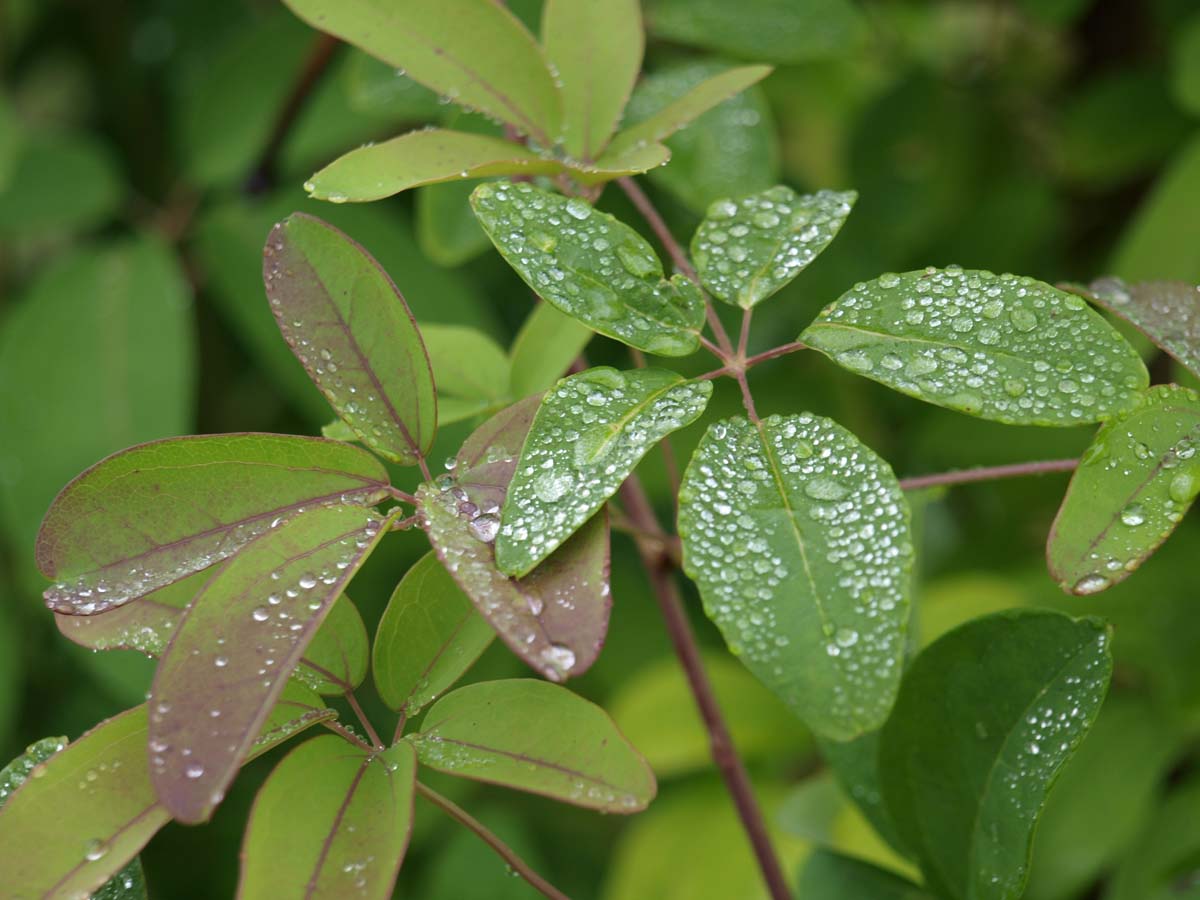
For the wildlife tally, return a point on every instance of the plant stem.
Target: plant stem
(363, 720)
(744, 335)
(399, 732)
(340, 729)
(747, 397)
(781, 350)
(988, 473)
(518, 865)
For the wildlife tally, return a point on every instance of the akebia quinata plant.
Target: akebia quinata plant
(231, 558)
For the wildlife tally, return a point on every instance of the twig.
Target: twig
(781, 350)
(988, 473)
(744, 334)
(399, 732)
(340, 729)
(747, 397)
(362, 718)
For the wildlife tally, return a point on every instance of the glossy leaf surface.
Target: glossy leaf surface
(548, 342)
(1000, 347)
(1168, 312)
(798, 537)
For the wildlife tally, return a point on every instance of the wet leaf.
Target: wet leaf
(831, 876)
(153, 514)
(17, 772)
(589, 434)
(1167, 312)
(1000, 347)
(746, 250)
(470, 370)
(236, 645)
(555, 618)
(538, 737)
(430, 634)
(592, 267)
(986, 718)
(335, 661)
(348, 324)
(798, 536)
(332, 821)
(544, 349)
(1133, 485)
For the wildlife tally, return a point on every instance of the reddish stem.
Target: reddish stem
(988, 473)
(781, 350)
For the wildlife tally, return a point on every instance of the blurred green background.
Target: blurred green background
(1054, 138)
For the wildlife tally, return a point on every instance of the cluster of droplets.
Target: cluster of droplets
(591, 266)
(1005, 347)
(799, 538)
(1168, 311)
(31, 764)
(746, 250)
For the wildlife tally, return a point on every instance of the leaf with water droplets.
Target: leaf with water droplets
(590, 432)
(986, 718)
(1167, 312)
(470, 369)
(548, 342)
(349, 326)
(331, 821)
(556, 617)
(592, 267)
(830, 876)
(538, 737)
(1000, 347)
(1133, 485)
(745, 250)
(798, 536)
(236, 646)
(151, 515)
(430, 634)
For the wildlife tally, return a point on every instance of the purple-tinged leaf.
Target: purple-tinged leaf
(332, 821)
(556, 617)
(151, 515)
(349, 326)
(1167, 312)
(238, 643)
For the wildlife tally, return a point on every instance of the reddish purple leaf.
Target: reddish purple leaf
(1167, 312)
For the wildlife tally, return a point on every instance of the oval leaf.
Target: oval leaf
(548, 342)
(349, 326)
(798, 537)
(1133, 485)
(331, 821)
(589, 434)
(1167, 312)
(592, 267)
(986, 718)
(1000, 347)
(153, 514)
(471, 371)
(536, 737)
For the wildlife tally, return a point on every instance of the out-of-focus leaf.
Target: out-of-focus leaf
(589, 434)
(798, 536)
(372, 86)
(58, 182)
(1157, 243)
(349, 326)
(1000, 347)
(748, 249)
(446, 227)
(1167, 312)
(986, 718)
(831, 876)
(470, 370)
(855, 764)
(596, 51)
(556, 618)
(332, 821)
(1133, 485)
(148, 516)
(473, 51)
(465, 866)
(429, 635)
(11, 138)
(1185, 66)
(236, 646)
(591, 266)
(1162, 863)
(544, 349)
(538, 737)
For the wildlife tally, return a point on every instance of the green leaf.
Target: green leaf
(349, 326)
(58, 182)
(592, 267)
(17, 772)
(1133, 485)
(11, 138)
(589, 434)
(1167, 312)
(473, 51)
(470, 370)
(1161, 865)
(548, 342)
(429, 635)
(855, 764)
(128, 884)
(596, 49)
(538, 737)
(555, 618)
(632, 160)
(336, 659)
(331, 821)
(798, 536)
(236, 646)
(372, 86)
(207, 497)
(1185, 65)
(1000, 347)
(748, 249)
(986, 718)
(446, 227)
(831, 876)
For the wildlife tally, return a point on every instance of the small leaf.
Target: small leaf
(348, 324)
(986, 718)
(538, 737)
(335, 661)
(1133, 485)
(999, 347)
(629, 161)
(470, 369)
(596, 49)
(446, 228)
(236, 645)
(331, 821)
(556, 618)
(1167, 312)
(831, 876)
(544, 349)
(151, 515)
(592, 267)
(798, 536)
(429, 635)
(748, 249)
(589, 434)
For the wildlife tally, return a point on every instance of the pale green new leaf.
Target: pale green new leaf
(548, 342)
(1000, 347)
(471, 371)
